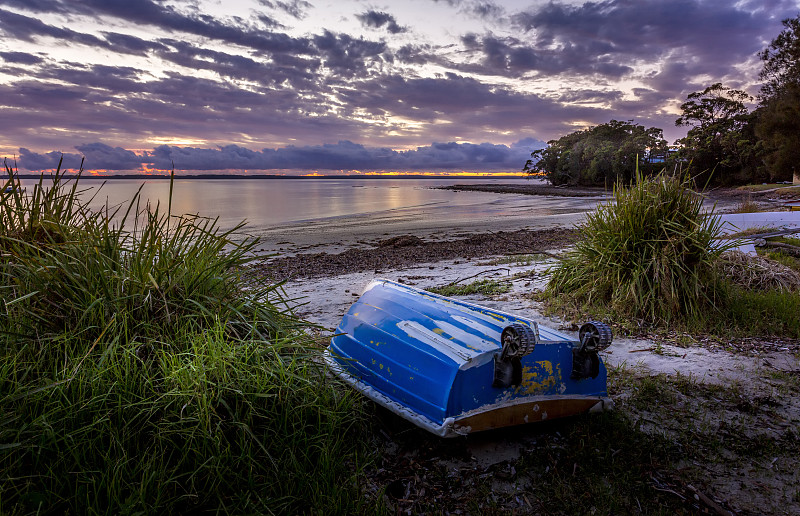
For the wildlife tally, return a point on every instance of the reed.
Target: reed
(137, 374)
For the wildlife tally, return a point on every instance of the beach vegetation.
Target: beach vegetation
(721, 146)
(519, 259)
(747, 206)
(779, 120)
(784, 259)
(138, 375)
(603, 155)
(653, 257)
(485, 287)
(647, 254)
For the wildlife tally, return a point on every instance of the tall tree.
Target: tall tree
(779, 123)
(720, 144)
(601, 155)
(781, 60)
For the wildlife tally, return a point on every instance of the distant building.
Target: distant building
(660, 155)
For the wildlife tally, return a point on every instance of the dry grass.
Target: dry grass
(747, 206)
(757, 272)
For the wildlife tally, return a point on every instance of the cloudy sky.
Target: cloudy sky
(318, 85)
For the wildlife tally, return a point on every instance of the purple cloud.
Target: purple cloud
(378, 19)
(342, 156)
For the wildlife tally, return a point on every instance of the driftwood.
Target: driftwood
(708, 502)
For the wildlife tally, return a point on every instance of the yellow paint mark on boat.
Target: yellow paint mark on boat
(494, 316)
(380, 365)
(547, 365)
(438, 331)
(536, 379)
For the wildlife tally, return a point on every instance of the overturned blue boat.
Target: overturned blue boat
(454, 368)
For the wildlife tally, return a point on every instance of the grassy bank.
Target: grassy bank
(137, 375)
(654, 258)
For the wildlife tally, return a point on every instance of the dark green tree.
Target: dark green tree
(781, 61)
(601, 155)
(779, 121)
(720, 145)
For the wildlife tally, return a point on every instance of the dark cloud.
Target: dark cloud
(378, 19)
(711, 36)
(295, 8)
(270, 22)
(510, 56)
(26, 28)
(42, 6)
(344, 53)
(251, 82)
(29, 160)
(342, 156)
(416, 54)
(467, 106)
(131, 44)
(20, 58)
(109, 158)
(150, 12)
(590, 96)
(287, 58)
(485, 9)
(296, 71)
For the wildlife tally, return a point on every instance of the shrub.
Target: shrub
(648, 254)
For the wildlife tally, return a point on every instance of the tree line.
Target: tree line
(726, 143)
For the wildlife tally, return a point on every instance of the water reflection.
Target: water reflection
(307, 203)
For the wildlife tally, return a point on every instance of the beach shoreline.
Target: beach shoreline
(408, 250)
(483, 209)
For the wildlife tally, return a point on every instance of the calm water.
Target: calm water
(275, 202)
(326, 214)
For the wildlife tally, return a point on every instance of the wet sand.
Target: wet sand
(478, 212)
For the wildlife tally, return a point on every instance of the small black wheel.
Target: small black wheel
(517, 340)
(595, 335)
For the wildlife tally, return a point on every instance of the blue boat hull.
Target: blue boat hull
(433, 360)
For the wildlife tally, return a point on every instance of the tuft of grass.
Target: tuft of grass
(754, 312)
(519, 259)
(648, 254)
(747, 206)
(784, 259)
(484, 287)
(137, 375)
